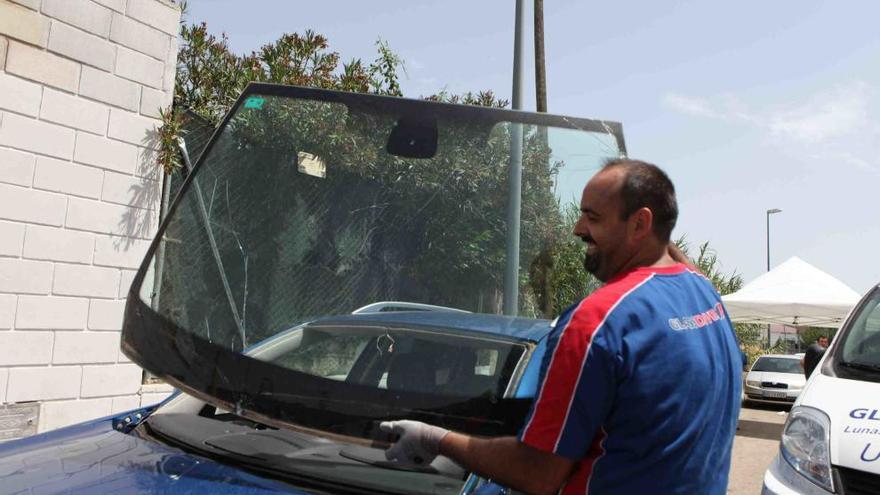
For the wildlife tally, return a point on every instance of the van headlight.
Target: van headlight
(806, 447)
(753, 383)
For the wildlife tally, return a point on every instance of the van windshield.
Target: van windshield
(860, 346)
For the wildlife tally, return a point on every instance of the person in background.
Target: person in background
(813, 355)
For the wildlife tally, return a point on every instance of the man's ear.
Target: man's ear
(642, 223)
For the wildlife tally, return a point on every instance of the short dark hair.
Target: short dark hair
(645, 185)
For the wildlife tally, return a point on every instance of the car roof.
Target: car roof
(784, 356)
(507, 326)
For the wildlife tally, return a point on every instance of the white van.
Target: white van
(831, 441)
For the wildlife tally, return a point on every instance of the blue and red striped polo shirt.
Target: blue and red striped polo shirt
(641, 385)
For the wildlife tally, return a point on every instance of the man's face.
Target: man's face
(823, 341)
(601, 227)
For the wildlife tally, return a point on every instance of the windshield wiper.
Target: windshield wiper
(861, 366)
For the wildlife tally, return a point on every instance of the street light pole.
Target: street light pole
(769, 212)
(510, 300)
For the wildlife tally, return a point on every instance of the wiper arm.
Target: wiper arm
(203, 210)
(861, 366)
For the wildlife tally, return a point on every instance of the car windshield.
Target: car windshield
(336, 259)
(860, 344)
(778, 365)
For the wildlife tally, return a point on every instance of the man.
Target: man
(813, 355)
(640, 384)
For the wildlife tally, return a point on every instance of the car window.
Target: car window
(778, 365)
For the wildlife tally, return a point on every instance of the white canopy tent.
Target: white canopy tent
(794, 293)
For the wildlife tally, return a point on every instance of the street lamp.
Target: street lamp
(769, 212)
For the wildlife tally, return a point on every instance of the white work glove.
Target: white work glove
(419, 443)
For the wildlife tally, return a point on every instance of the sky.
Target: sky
(748, 105)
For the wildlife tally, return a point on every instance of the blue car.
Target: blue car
(335, 260)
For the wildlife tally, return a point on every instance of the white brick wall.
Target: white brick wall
(68, 412)
(81, 85)
(121, 379)
(16, 167)
(7, 311)
(20, 348)
(55, 244)
(19, 95)
(51, 313)
(85, 347)
(57, 382)
(11, 238)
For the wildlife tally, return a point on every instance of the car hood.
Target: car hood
(94, 457)
(854, 410)
(791, 379)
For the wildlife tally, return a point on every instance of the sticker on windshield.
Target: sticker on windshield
(255, 102)
(309, 164)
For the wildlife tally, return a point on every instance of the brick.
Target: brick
(153, 398)
(25, 348)
(83, 14)
(59, 414)
(51, 313)
(7, 311)
(75, 112)
(16, 167)
(85, 281)
(131, 191)
(139, 68)
(28, 205)
(54, 244)
(105, 218)
(169, 77)
(32, 135)
(117, 5)
(85, 347)
(106, 315)
(139, 37)
(105, 153)
(3, 45)
(61, 382)
(124, 404)
(18, 95)
(31, 4)
(125, 283)
(59, 176)
(120, 251)
(102, 381)
(23, 24)
(133, 128)
(41, 66)
(11, 238)
(25, 277)
(147, 165)
(152, 101)
(4, 379)
(86, 48)
(106, 87)
(155, 14)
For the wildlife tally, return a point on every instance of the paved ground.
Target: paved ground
(754, 447)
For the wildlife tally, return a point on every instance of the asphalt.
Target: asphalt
(754, 447)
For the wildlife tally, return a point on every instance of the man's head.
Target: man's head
(822, 340)
(628, 211)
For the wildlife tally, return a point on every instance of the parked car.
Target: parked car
(332, 261)
(831, 440)
(775, 378)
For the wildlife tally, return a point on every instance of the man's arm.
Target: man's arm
(508, 462)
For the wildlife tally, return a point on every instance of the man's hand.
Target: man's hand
(419, 443)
